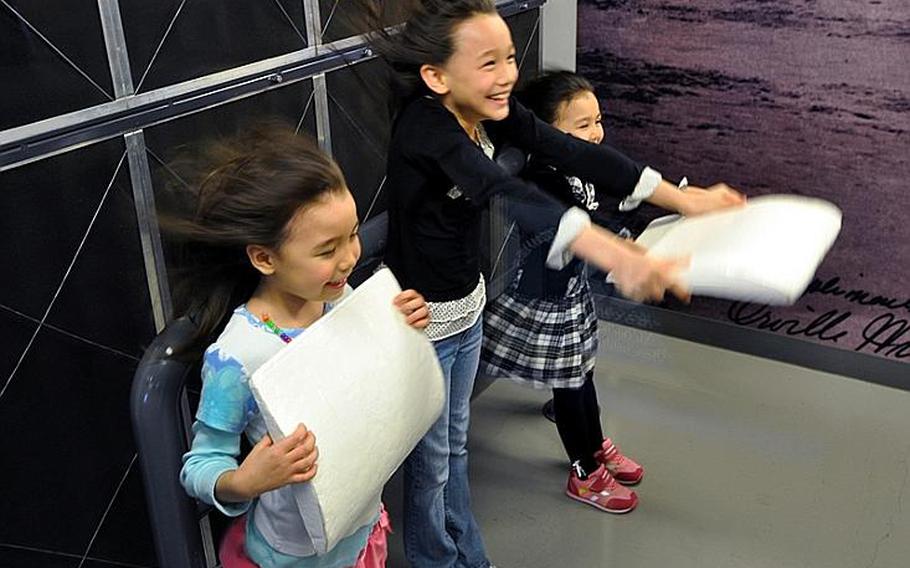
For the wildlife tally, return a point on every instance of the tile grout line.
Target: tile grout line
(108, 509)
(167, 32)
(65, 276)
(57, 50)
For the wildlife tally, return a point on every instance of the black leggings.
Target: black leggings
(578, 421)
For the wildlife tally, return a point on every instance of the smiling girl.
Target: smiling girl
(272, 239)
(454, 68)
(542, 331)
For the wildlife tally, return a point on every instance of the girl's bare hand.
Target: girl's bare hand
(272, 465)
(714, 198)
(643, 278)
(414, 307)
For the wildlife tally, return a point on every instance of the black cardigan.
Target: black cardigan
(438, 180)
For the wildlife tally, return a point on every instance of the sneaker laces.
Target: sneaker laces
(580, 472)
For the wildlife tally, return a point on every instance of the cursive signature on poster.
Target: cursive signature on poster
(887, 334)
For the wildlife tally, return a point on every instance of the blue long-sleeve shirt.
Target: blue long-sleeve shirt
(277, 534)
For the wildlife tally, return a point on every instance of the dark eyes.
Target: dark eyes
(492, 62)
(331, 251)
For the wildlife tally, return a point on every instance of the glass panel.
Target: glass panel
(290, 104)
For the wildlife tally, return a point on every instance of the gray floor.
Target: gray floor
(750, 463)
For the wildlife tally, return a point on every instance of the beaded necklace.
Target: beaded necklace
(273, 327)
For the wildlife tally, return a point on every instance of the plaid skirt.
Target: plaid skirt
(543, 343)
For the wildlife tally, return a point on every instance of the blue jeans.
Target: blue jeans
(439, 527)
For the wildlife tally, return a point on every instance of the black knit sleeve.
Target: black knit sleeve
(608, 168)
(432, 135)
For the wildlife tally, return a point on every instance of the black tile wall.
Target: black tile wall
(105, 298)
(526, 37)
(65, 413)
(16, 331)
(38, 82)
(290, 104)
(206, 36)
(359, 118)
(51, 204)
(65, 419)
(128, 517)
(93, 563)
(340, 18)
(16, 557)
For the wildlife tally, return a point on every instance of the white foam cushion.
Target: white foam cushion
(766, 251)
(368, 386)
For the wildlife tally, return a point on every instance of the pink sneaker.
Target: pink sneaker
(625, 470)
(600, 490)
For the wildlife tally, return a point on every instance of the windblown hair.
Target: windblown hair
(425, 38)
(229, 195)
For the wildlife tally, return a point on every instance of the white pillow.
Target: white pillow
(369, 387)
(766, 251)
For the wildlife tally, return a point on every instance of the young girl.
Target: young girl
(274, 227)
(455, 67)
(542, 331)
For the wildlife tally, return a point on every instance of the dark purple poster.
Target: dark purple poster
(797, 97)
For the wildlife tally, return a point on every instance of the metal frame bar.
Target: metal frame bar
(115, 43)
(323, 126)
(144, 203)
(320, 89)
(313, 22)
(129, 113)
(52, 136)
(541, 31)
(149, 235)
(25, 144)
